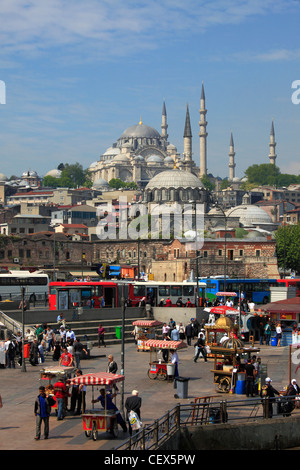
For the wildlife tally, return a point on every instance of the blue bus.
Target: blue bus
(255, 290)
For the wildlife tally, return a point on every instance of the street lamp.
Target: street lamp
(225, 243)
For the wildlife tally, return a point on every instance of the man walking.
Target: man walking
(133, 403)
(42, 410)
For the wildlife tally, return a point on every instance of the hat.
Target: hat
(268, 379)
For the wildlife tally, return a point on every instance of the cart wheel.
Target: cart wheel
(151, 376)
(87, 433)
(162, 374)
(94, 431)
(224, 385)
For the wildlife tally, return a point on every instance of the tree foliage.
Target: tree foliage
(268, 174)
(72, 176)
(117, 183)
(288, 247)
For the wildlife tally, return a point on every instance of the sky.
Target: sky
(75, 74)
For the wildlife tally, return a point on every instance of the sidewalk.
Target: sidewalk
(20, 389)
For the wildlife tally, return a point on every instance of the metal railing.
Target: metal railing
(10, 324)
(204, 411)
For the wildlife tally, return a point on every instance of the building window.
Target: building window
(241, 252)
(205, 254)
(257, 253)
(220, 252)
(28, 254)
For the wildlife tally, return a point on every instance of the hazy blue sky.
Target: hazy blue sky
(78, 73)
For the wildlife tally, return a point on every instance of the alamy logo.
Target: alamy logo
(296, 94)
(2, 92)
(137, 221)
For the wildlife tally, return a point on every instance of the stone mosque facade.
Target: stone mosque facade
(141, 153)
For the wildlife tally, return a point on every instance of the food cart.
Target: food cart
(215, 331)
(95, 420)
(52, 375)
(227, 363)
(160, 369)
(144, 330)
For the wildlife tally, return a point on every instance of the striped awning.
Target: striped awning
(160, 344)
(148, 323)
(98, 378)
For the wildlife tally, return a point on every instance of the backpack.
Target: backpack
(11, 349)
(264, 391)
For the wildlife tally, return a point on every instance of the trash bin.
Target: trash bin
(26, 351)
(171, 369)
(118, 332)
(274, 341)
(240, 387)
(182, 386)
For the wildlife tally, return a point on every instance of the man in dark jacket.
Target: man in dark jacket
(133, 403)
(267, 391)
(189, 332)
(200, 345)
(42, 410)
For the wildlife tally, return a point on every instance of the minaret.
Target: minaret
(203, 135)
(164, 125)
(187, 142)
(272, 145)
(231, 159)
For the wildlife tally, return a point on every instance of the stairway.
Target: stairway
(89, 329)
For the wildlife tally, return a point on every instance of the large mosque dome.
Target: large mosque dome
(140, 131)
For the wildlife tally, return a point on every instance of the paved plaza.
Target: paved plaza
(20, 389)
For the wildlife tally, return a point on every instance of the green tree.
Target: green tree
(205, 180)
(288, 247)
(263, 175)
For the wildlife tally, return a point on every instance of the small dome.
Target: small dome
(168, 160)
(250, 215)
(224, 322)
(55, 173)
(3, 177)
(232, 343)
(174, 179)
(121, 158)
(93, 165)
(112, 151)
(154, 159)
(27, 174)
(139, 158)
(100, 183)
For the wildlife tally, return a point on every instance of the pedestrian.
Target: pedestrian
(66, 359)
(39, 333)
(175, 360)
(175, 334)
(34, 353)
(61, 394)
(267, 333)
(261, 333)
(56, 351)
(172, 324)
(106, 400)
(278, 333)
(41, 357)
(42, 410)
(78, 350)
(200, 348)
(181, 330)
(112, 368)
(165, 330)
(10, 353)
(78, 395)
(134, 404)
(70, 335)
(101, 332)
(60, 320)
(250, 377)
(62, 333)
(189, 332)
(267, 391)
(50, 339)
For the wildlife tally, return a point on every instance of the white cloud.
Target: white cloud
(115, 26)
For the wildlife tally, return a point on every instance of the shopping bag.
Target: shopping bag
(134, 421)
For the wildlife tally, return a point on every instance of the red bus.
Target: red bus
(68, 294)
(290, 282)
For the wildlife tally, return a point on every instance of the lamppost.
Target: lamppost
(23, 369)
(123, 304)
(225, 242)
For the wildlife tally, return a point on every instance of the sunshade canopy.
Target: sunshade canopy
(223, 309)
(281, 306)
(228, 294)
(98, 378)
(160, 344)
(148, 323)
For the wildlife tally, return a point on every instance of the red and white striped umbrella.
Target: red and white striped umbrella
(161, 344)
(98, 378)
(224, 310)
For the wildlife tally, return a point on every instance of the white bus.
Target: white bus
(36, 286)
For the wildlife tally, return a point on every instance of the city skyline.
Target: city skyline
(78, 74)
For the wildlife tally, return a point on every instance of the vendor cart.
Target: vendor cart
(52, 375)
(144, 330)
(159, 368)
(96, 420)
(227, 363)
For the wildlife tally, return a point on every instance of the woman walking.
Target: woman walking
(101, 332)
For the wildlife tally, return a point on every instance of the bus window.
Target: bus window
(176, 291)
(139, 291)
(188, 291)
(164, 291)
